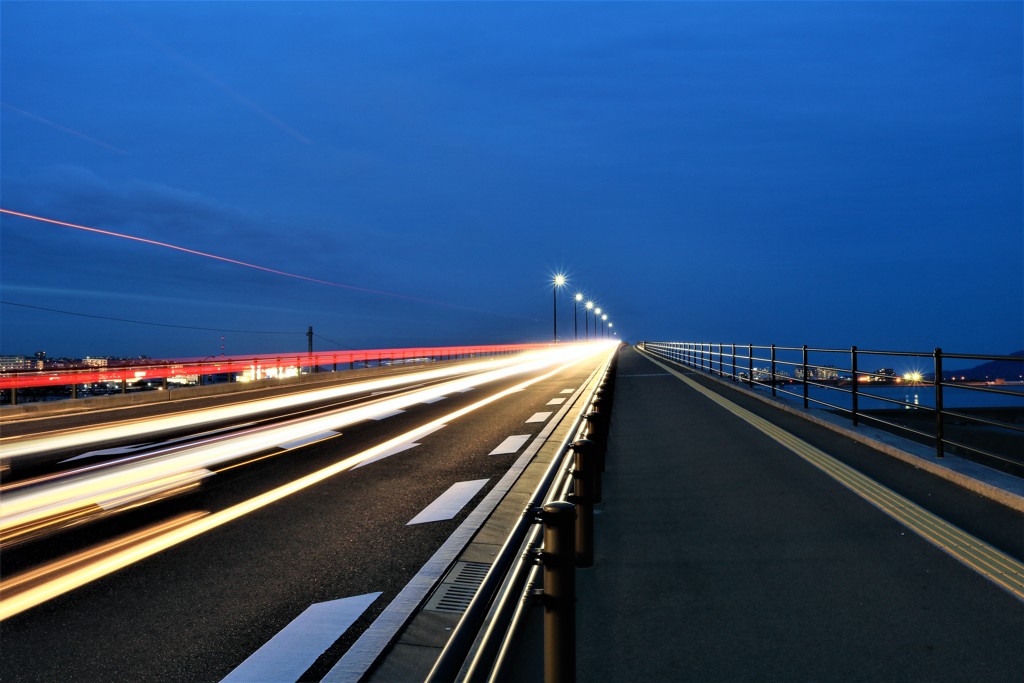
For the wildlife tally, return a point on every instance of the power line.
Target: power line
(320, 336)
(140, 322)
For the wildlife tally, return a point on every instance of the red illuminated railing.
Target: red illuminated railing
(23, 379)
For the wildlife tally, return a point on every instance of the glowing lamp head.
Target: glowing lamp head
(579, 297)
(597, 311)
(590, 305)
(604, 317)
(611, 325)
(559, 280)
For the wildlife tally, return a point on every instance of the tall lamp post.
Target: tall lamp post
(604, 319)
(558, 281)
(597, 317)
(586, 319)
(575, 326)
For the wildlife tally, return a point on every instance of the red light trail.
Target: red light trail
(225, 259)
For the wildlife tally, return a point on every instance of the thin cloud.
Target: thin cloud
(211, 79)
(244, 264)
(70, 131)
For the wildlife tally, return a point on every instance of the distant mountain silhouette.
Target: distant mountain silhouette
(998, 369)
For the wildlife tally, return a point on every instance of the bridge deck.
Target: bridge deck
(722, 554)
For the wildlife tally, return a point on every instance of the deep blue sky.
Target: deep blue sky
(822, 173)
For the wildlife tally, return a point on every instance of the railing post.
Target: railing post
(720, 369)
(853, 390)
(584, 474)
(733, 365)
(805, 374)
(750, 365)
(773, 370)
(939, 428)
(559, 598)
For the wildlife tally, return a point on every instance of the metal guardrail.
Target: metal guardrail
(568, 489)
(259, 366)
(786, 367)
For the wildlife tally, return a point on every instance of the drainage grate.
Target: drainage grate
(458, 588)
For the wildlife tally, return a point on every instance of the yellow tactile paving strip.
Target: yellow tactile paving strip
(991, 563)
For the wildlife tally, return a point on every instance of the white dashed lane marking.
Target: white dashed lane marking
(566, 391)
(511, 445)
(556, 402)
(295, 648)
(449, 503)
(539, 417)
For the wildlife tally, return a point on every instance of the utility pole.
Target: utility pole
(309, 334)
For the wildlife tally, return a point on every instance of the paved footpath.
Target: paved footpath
(723, 555)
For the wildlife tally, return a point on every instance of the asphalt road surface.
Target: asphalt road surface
(320, 531)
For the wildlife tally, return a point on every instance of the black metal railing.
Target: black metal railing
(570, 486)
(975, 416)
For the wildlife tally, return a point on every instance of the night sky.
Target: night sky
(814, 172)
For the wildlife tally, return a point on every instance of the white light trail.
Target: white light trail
(15, 447)
(14, 602)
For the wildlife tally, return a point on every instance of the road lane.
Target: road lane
(30, 510)
(15, 449)
(196, 611)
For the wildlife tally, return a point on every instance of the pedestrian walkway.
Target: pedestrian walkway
(727, 549)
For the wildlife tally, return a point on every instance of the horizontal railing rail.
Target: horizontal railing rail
(836, 379)
(256, 366)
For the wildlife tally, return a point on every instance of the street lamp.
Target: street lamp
(597, 316)
(575, 326)
(604, 318)
(558, 281)
(586, 319)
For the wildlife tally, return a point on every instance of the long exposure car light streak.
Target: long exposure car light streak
(15, 447)
(28, 579)
(12, 604)
(20, 507)
(82, 505)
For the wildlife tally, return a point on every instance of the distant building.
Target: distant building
(765, 374)
(15, 363)
(826, 373)
(95, 362)
(885, 376)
